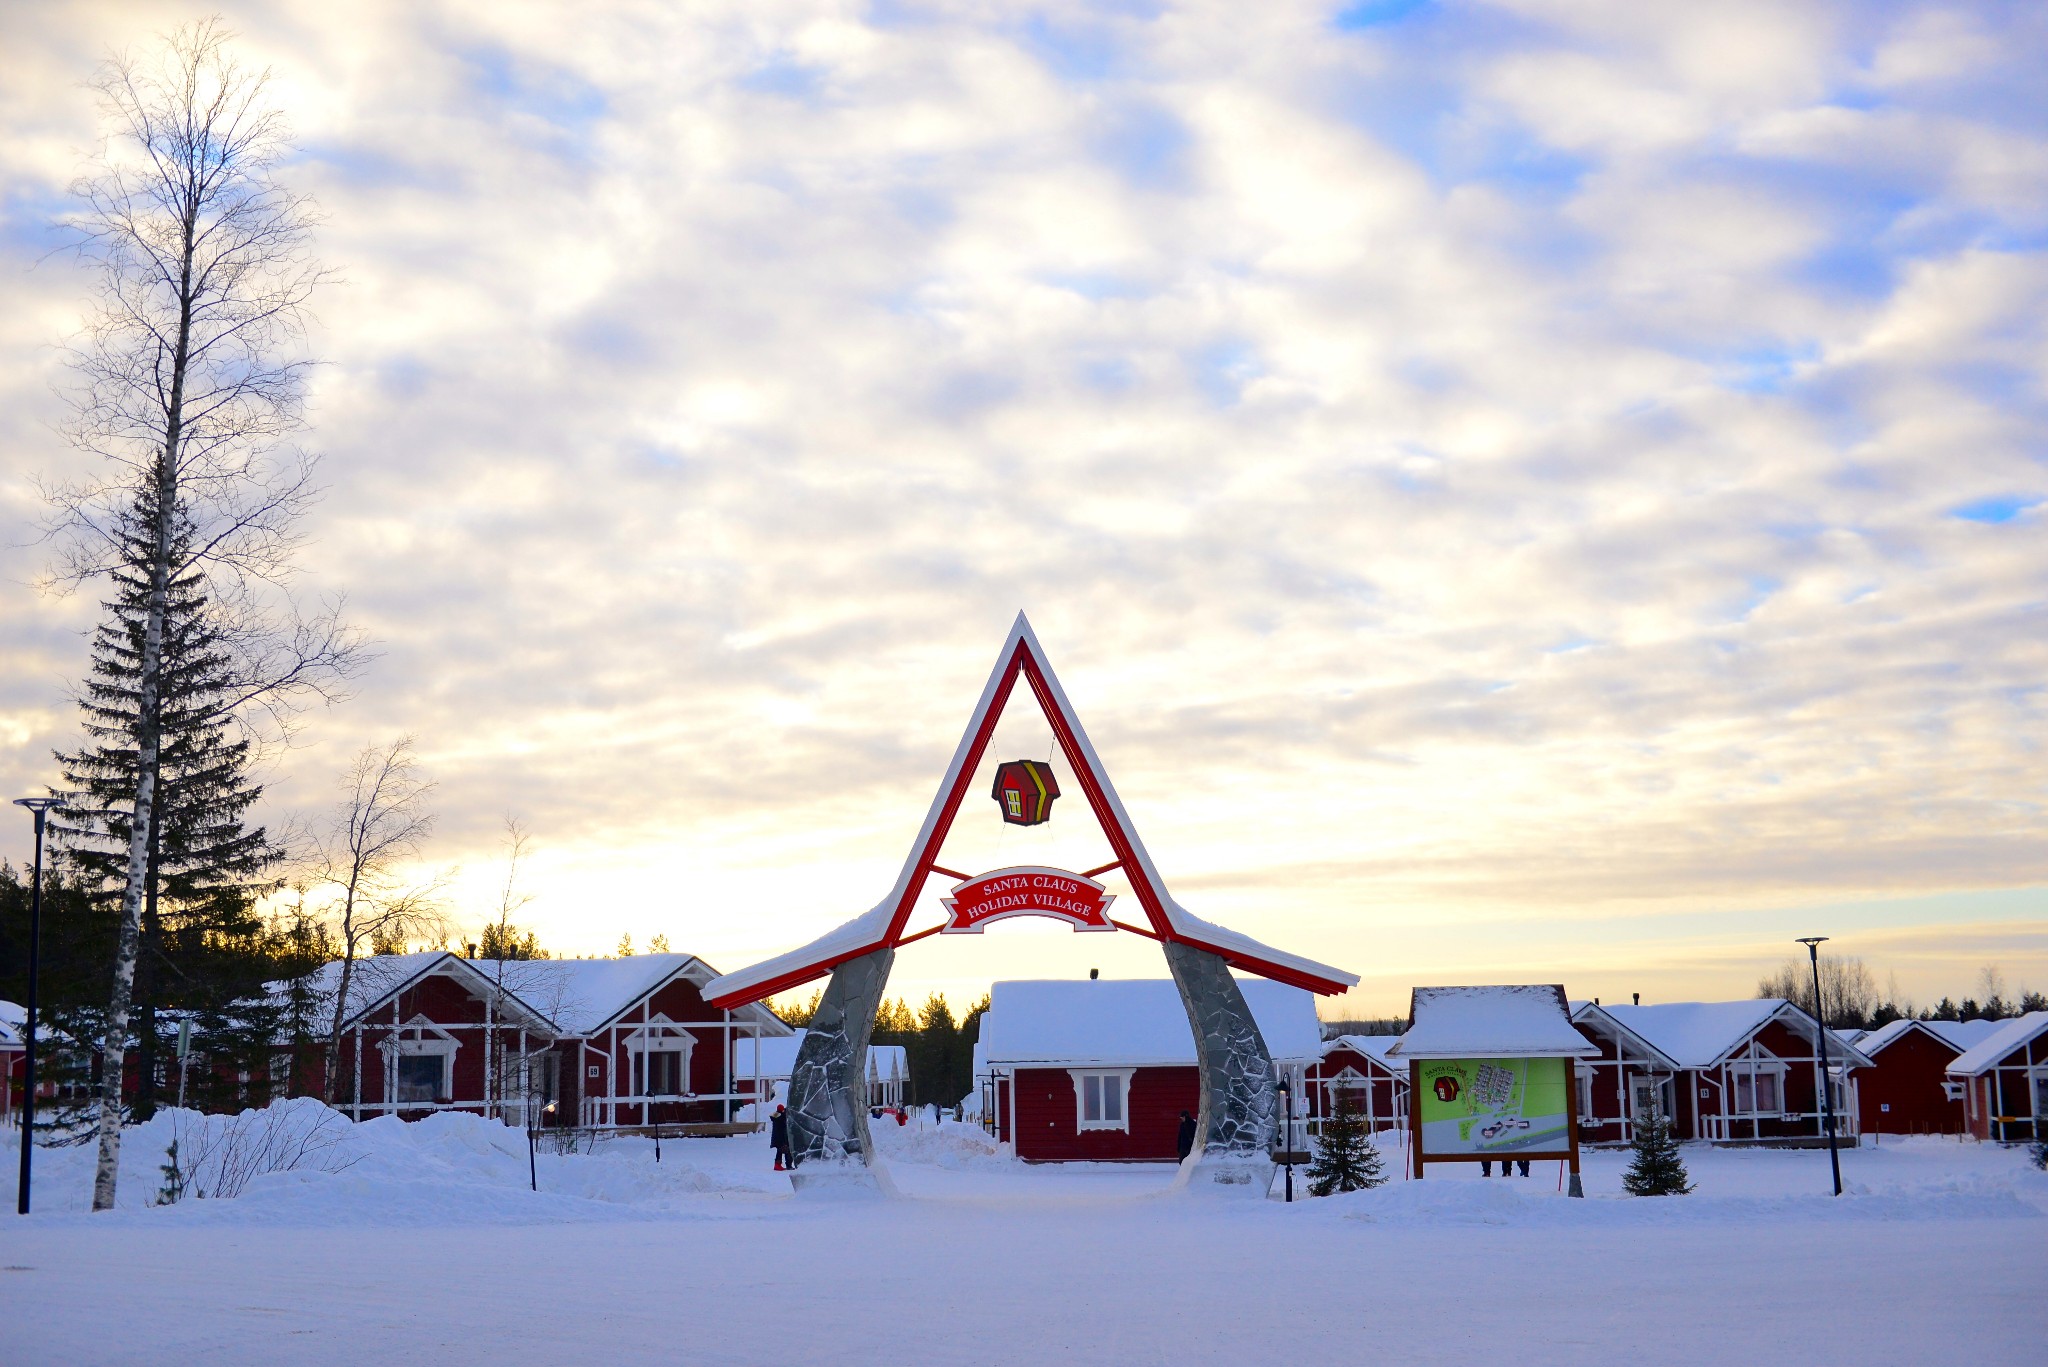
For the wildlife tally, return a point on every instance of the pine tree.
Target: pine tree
(202, 946)
(1346, 1158)
(176, 1179)
(1656, 1169)
(299, 944)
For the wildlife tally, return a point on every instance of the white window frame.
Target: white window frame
(1120, 1078)
(420, 1038)
(1349, 1081)
(658, 1036)
(1751, 1069)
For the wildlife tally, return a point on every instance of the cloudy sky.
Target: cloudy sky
(1517, 491)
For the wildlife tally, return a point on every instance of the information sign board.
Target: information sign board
(1482, 1107)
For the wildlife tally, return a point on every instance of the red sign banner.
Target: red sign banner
(1081, 902)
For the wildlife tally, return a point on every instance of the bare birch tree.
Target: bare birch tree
(361, 860)
(190, 378)
(502, 950)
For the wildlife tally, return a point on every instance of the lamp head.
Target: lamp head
(39, 805)
(1812, 940)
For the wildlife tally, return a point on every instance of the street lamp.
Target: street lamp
(1820, 1023)
(40, 806)
(1286, 1135)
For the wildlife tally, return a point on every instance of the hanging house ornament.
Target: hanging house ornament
(1024, 789)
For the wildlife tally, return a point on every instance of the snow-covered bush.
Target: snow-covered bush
(221, 1154)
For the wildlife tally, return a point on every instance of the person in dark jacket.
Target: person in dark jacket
(778, 1137)
(1186, 1144)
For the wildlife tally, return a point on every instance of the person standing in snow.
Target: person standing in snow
(778, 1137)
(1186, 1143)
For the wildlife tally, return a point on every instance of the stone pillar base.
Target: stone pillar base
(1226, 1174)
(832, 1179)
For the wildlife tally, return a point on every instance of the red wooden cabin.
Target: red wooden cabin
(1356, 1067)
(2005, 1081)
(608, 1042)
(1906, 1090)
(1740, 1071)
(1100, 1070)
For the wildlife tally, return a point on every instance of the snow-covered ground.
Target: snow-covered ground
(428, 1247)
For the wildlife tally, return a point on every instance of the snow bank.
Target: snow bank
(301, 1162)
(1511, 1202)
(951, 1144)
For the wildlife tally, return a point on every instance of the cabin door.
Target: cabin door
(1647, 1094)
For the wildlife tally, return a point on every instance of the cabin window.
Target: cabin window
(422, 1077)
(658, 1072)
(1102, 1100)
(1759, 1088)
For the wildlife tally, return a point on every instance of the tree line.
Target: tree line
(938, 1048)
(1853, 1001)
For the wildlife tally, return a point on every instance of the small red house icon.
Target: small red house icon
(1024, 790)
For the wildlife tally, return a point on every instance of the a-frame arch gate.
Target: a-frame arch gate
(828, 1127)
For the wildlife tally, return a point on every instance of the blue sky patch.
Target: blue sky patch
(1998, 508)
(1376, 14)
(1223, 369)
(1145, 144)
(790, 79)
(552, 94)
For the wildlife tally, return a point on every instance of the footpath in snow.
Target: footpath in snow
(395, 1242)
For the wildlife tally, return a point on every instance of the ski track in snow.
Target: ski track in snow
(428, 1247)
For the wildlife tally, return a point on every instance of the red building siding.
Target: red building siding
(1047, 1129)
(1385, 1093)
(683, 1004)
(451, 1008)
(1903, 1093)
(2001, 1101)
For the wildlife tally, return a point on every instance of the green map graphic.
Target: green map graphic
(1488, 1105)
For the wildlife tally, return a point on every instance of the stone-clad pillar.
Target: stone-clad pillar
(1240, 1103)
(828, 1114)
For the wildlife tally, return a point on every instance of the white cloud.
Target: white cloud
(1430, 528)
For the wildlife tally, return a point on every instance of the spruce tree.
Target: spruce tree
(1346, 1158)
(1656, 1169)
(202, 949)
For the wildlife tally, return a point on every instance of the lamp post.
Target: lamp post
(1820, 1024)
(1286, 1135)
(40, 806)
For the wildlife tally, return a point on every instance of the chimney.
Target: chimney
(1636, 997)
(1093, 974)
(469, 951)
(1596, 1001)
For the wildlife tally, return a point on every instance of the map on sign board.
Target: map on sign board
(1480, 1106)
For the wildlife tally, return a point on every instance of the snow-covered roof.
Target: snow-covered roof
(13, 1025)
(1702, 1034)
(2009, 1035)
(376, 978)
(1130, 1022)
(1523, 1020)
(1957, 1035)
(567, 996)
(778, 1058)
(1964, 1034)
(1374, 1047)
(585, 995)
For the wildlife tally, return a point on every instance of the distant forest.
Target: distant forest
(938, 1048)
